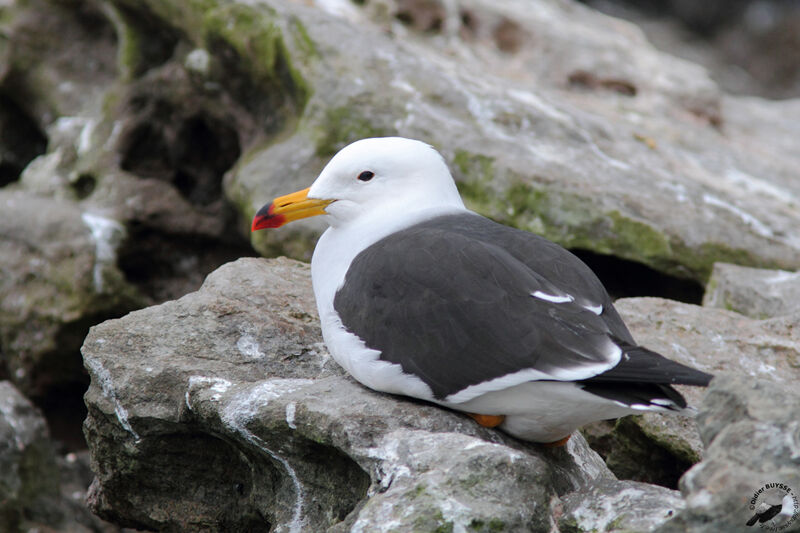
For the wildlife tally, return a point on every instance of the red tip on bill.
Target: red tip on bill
(266, 220)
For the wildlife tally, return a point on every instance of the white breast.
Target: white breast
(333, 254)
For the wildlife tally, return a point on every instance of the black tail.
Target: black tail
(640, 365)
(644, 377)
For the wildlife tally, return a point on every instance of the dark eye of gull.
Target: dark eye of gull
(366, 175)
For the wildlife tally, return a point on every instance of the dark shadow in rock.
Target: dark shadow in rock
(205, 149)
(59, 381)
(626, 279)
(238, 489)
(155, 42)
(63, 407)
(165, 267)
(421, 15)
(231, 489)
(83, 186)
(272, 100)
(347, 484)
(189, 149)
(21, 140)
(704, 18)
(631, 455)
(146, 152)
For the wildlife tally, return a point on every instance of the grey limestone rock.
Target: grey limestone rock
(751, 432)
(755, 292)
(580, 131)
(39, 491)
(716, 340)
(654, 448)
(223, 410)
(235, 378)
(59, 277)
(555, 119)
(613, 505)
(28, 469)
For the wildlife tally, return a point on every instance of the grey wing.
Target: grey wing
(552, 262)
(457, 311)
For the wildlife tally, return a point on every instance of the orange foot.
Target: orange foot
(558, 443)
(488, 421)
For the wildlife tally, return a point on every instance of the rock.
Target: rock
(222, 410)
(581, 132)
(752, 437)
(165, 124)
(618, 506)
(132, 133)
(32, 496)
(649, 448)
(28, 471)
(658, 449)
(715, 340)
(113, 216)
(749, 47)
(754, 292)
(61, 277)
(61, 58)
(21, 140)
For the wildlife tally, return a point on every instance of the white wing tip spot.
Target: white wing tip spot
(596, 309)
(659, 401)
(553, 298)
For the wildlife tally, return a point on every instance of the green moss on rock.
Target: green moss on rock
(574, 221)
(432, 519)
(699, 261)
(302, 40)
(639, 237)
(341, 126)
(248, 39)
(252, 34)
(493, 525)
(255, 36)
(475, 174)
(670, 441)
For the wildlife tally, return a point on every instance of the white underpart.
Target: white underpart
(553, 298)
(364, 363)
(787, 509)
(543, 411)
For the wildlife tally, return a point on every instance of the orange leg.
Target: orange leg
(557, 444)
(488, 421)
